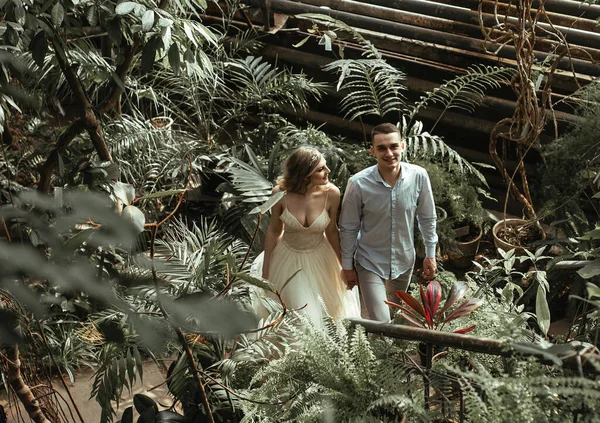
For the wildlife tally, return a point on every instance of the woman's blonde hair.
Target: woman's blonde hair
(298, 168)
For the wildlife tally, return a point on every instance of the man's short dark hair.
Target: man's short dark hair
(384, 128)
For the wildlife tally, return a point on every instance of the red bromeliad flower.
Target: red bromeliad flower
(428, 314)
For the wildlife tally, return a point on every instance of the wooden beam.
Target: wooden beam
(422, 34)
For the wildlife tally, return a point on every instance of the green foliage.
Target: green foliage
(569, 174)
(153, 159)
(518, 287)
(458, 194)
(526, 397)
(374, 87)
(333, 374)
(465, 92)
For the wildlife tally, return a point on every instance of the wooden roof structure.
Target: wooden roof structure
(433, 41)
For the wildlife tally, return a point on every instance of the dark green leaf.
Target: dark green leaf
(147, 416)
(174, 58)
(79, 238)
(143, 403)
(58, 15)
(111, 331)
(127, 415)
(39, 48)
(149, 55)
(92, 15)
(114, 31)
(170, 417)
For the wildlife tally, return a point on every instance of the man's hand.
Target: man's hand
(350, 277)
(429, 268)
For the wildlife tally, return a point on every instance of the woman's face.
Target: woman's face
(320, 174)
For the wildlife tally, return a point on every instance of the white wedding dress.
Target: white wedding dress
(308, 250)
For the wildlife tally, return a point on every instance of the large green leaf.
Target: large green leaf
(136, 217)
(199, 313)
(39, 48)
(125, 7)
(147, 20)
(124, 192)
(541, 310)
(590, 270)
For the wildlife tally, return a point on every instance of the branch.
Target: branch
(61, 145)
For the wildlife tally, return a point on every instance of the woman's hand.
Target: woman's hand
(350, 278)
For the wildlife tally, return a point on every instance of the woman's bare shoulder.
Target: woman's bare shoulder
(332, 190)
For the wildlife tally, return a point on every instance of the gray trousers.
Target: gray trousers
(375, 290)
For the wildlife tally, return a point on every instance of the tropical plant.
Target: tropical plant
(517, 287)
(428, 314)
(53, 35)
(333, 374)
(569, 182)
(459, 196)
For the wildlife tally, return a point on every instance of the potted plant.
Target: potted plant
(458, 195)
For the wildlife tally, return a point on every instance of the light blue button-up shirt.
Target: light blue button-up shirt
(377, 220)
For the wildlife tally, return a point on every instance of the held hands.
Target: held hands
(350, 277)
(429, 268)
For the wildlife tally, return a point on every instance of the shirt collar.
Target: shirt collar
(403, 171)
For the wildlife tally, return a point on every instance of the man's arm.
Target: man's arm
(350, 219)
(426, 219)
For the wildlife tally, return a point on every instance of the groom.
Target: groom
(377, 223)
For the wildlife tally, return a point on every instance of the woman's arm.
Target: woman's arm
(332, 233)
(274, 232)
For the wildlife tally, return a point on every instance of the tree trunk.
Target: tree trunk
(31, 404)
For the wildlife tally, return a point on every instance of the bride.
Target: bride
(303, 235)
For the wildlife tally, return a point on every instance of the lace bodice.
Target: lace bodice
(300, 238)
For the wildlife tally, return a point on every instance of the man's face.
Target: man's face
(387, 149)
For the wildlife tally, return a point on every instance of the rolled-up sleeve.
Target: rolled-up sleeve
(426, 216)
(350, 221)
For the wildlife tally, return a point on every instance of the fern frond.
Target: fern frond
(420, 144)
(374, 86)
(467, 91)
